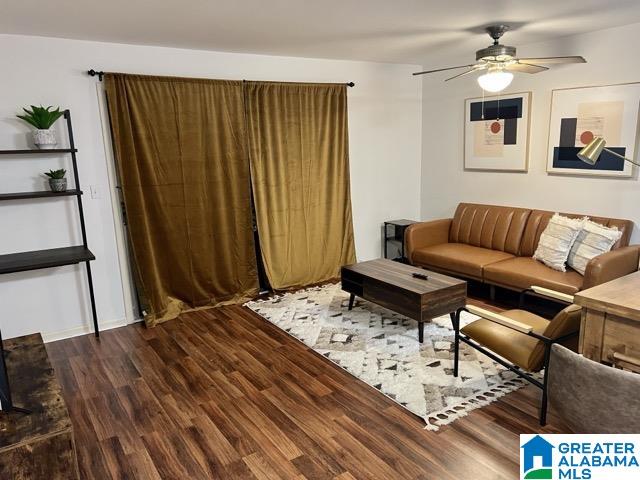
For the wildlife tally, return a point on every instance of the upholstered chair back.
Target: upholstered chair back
(565, 322)
(590, 397)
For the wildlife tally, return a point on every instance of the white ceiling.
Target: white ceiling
(399, 31)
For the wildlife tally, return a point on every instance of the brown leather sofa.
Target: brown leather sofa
(495, 244)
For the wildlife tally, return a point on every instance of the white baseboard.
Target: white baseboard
(82, 330)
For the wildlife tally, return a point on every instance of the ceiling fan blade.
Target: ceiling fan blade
(525, 68)
(553, 60)
(443, 69)
(471, 70)
(475, 68)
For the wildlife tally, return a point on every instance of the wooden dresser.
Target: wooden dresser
(38, 446)
(610, 329)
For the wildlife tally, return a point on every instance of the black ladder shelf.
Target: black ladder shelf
(54, 257)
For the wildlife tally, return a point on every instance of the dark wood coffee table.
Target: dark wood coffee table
(392, 285)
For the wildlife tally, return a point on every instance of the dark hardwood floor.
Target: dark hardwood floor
(224, 394)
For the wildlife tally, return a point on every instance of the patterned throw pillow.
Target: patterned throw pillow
(593, 240)
(556, 241)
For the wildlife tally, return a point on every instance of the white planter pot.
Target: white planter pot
(58, 184)
(45, 139)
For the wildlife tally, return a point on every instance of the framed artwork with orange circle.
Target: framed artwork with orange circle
(580, 114)
(496, 133)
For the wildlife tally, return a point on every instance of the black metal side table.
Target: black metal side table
(394, 237)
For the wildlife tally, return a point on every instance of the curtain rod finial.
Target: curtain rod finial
(93, 73)
(351, 84)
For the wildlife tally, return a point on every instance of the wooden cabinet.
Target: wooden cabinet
(610, 328)
(40, 445)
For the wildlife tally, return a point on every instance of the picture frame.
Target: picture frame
(496, 133)
(579, 114)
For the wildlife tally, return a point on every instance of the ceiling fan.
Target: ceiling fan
(498, 61)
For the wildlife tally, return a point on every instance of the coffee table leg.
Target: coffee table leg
(352, 298)
(455, 320)
(420, 331)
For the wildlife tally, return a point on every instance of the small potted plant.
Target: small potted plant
(57, 182)
(42, 119)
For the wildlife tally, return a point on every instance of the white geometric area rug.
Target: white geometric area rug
(381, 348)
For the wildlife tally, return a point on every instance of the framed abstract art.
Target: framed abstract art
(580, 114)
(496, 133)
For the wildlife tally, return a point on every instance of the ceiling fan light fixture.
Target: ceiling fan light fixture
(495, 80)
(498, 61)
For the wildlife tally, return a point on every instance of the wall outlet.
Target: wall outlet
(95, 193)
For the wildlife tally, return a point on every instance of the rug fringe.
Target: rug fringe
(445, 416)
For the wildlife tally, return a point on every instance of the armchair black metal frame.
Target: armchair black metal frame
(548, 342)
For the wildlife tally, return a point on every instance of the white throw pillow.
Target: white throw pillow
(556, 241)
(593, 240)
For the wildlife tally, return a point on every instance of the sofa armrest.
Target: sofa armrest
(611, 265)
(425, 234)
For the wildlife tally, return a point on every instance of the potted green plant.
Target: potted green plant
(42, 118)
(57, 182)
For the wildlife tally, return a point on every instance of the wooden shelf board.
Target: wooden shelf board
(38, 151)
(38, 194)
(37, 259)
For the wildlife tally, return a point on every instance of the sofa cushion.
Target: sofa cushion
(458, 258)
(489, 226)
(510, 344)
(523, 272)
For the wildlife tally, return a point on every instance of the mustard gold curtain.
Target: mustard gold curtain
(300, 175)
(182, 157)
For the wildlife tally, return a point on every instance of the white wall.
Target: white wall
(385, 142)
(611, 59)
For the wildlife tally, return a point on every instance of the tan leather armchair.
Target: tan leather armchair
(519, 340)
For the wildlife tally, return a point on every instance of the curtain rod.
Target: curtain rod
(100, 74)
